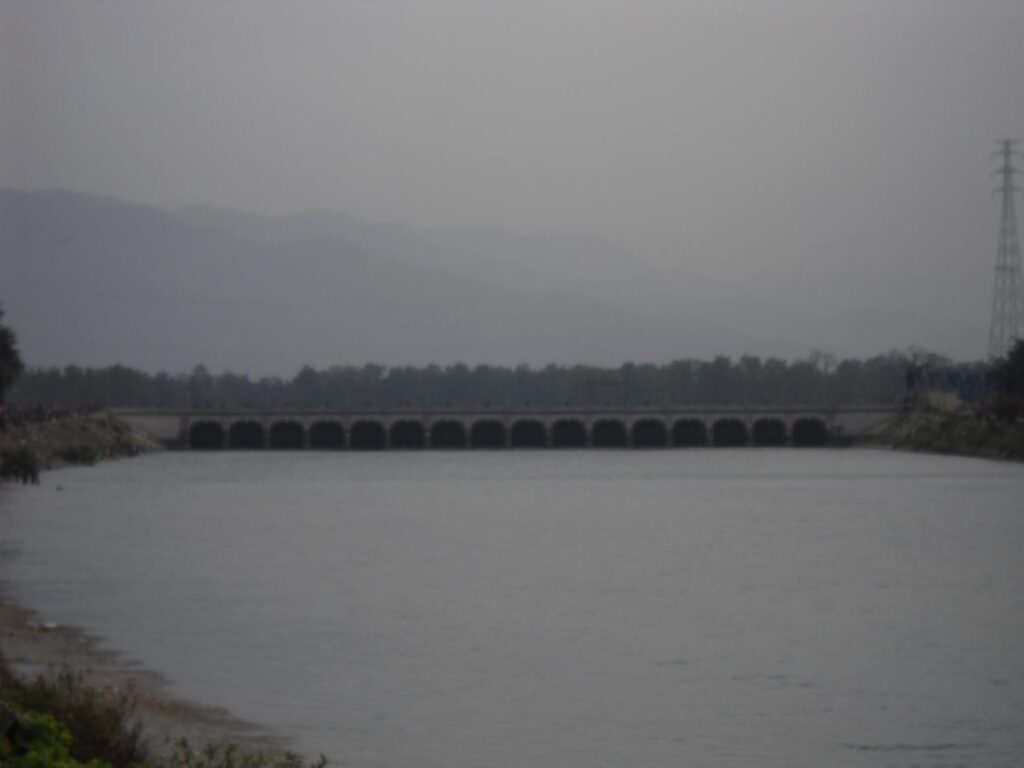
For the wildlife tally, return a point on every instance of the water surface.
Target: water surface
(558, 609)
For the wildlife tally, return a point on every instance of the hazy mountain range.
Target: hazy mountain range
(95, 281)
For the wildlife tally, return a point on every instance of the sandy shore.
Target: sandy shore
(32, 646)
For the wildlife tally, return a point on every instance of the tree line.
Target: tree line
(819, 379)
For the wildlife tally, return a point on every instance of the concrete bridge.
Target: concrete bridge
(521, 428)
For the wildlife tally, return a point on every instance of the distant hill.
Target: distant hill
(94, 280)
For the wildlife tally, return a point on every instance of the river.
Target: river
(770, 607)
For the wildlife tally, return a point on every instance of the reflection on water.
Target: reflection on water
(748, 607)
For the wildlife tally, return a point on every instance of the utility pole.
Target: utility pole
(1007, 298)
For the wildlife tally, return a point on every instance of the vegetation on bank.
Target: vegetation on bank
(56, 720)
(19, 464)
(96, 725)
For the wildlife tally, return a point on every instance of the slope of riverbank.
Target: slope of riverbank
(75, 439)
(960, 433)
(33, 645)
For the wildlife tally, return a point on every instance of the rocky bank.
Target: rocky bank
(75, 439)
(964, 433)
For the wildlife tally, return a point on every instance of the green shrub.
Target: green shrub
(39, 741)
(80, 454)
(101, 724)
(19, 464)
(1007, 407)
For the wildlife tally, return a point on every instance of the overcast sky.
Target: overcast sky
(827, 148)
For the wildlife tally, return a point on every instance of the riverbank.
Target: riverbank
(960, 433)
(75, 439)
(32, 645)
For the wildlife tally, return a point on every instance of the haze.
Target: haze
(736, 177)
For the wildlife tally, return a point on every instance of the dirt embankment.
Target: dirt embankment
(962, 433)
(75, 439)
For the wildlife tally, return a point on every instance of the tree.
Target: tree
(10, 359)
(879, 379)
(1007, 378)
(200, 387)
(1007, 373)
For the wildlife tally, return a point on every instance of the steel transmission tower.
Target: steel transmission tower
(1007, 299)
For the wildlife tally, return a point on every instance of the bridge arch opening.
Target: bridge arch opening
(689, 433)
(326, 435)
(809, 432)
(247, 435)
(206, 435)
(729, 433)
(488, 434)
(528, 433)
(447, 434)
(568, 433)
(608, 433)
(408, 434)
(649, 433)
(367, 436)
(769, 432)
(287, 435)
